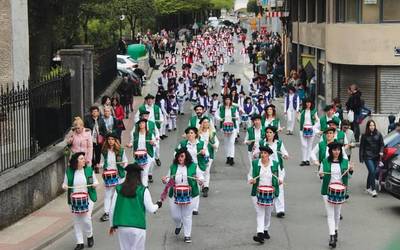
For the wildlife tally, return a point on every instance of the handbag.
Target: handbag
(100, 139)
(350, 115)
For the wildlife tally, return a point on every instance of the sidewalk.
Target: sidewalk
(52, 221)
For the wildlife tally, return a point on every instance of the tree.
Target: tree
(252, 6)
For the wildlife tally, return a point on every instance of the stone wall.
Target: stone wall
(5, 43)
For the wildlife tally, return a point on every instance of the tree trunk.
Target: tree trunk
(85, 29)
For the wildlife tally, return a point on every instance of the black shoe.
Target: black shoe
(178, 230)
(232, 162)
(280, 214)
(303, 163)
(259, 238)
(228, 160)
(266, 235)
(174, 129)
(307, 163)
(195, 212)
(169, 130)
(104, 217)
(205, 192)
(90, 242)
(182, 113)
(162, 137)
(336, 235)
(150, 178)
(341, 217)
(187, 240)
(166, 136)
(79, 247)
(158, 162)
(332, 242)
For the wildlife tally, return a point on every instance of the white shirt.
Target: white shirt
(265, 178)
(228, 115)
(181, 89)
(181, 175)
(192, 149)
(111, 160)
(142, 141)
(336, 173)
(80, 181)
(307, 117)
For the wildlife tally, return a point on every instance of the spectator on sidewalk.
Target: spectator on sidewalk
(98, 128)
(125, 91)
(346, 128)
(119, 115)
(371, 152)
(79, 140)
(354, 103)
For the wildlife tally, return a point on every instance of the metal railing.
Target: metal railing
(105, 69)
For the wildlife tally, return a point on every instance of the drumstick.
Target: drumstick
(255, 178)
(81, 186)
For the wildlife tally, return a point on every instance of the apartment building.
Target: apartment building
(349, 41)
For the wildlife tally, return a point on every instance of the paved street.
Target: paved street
(227, 217)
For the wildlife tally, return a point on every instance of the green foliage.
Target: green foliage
(252, 6)
(222, 4)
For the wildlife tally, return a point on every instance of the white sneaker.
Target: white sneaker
(374, 193)
(369, 191)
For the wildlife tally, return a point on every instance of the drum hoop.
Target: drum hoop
(80, 193)
(338, 183)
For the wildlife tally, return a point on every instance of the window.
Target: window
(321, 11)
(295, 8)
(311, 11)
(390, 10)
(303, 10)
(352, 11)
(340, 11)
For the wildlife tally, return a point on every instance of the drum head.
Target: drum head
(266, 188)
(337, 186)
(79, 195)
(140, 152)
(182, 187)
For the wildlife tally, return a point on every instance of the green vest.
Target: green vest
(201, 161)
(326, 166)
(149, 137)
(256, 172)
(130, 211)
(191, 171)
(322, 150)
(340, 135)
(194, 121)
(252, 135)
(275, 122)
(156, 111)
(233, 115)
(210, 144)
(88, 174)
(119, 157)
(302, 118)
(264, 143)
(324, 122)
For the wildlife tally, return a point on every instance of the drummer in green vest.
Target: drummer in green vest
(340, 136)
(308, 121)
(194, 121)
(228, 115)
(263, 172)
(334, 169)
(128, 210)
(79, 178)
(152, 127)
(329, 115)
(198, 151)
(269, 117)
(254, 135)
(183, 171)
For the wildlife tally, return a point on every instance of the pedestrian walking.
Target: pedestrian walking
(79, 139)
(354, 105)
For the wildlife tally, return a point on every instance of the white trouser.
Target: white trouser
(263, 216)
(291, 119)
(157, 150)
(131, 238)
(229, 144)
(333, 215)
(206, 173)
(171, 122)
(181, 103)
(147, 170)
(182, 215)
(279, 202)
(108, 195)
(163, 128)
(250, 156)
(306, 146)
(83, 223)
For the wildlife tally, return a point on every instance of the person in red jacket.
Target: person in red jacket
(119, 114)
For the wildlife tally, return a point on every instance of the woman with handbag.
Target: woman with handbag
(79, 140)
(354, 106)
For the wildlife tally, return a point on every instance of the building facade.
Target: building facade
(343, 42)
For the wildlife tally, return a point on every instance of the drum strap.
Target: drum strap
(88, 174)
(326, 166)
(118, 158)
(256, 172)
(191, 171)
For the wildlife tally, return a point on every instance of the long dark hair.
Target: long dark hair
(330, 157)
(132, 180)
(367, 130)
(188, 157)
(276, 137)
(73, 162)
(305, 103)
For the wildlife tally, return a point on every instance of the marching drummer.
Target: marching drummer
(340, 136)
(200, 112)
(334, 172)
(273, 142)
(143, 141)
(228, 116)
(113, 160)
(264, 178)
(329, 115)
(183, 182)
(81, 184)
(128, 211)
(269, 118)
(308, 119)
(254, 134)
(198, 151)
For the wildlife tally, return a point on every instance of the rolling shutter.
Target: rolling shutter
(389, 89)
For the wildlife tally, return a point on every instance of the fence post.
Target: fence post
(88, 82)
(73, 59)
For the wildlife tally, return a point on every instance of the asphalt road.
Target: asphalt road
(227, 217)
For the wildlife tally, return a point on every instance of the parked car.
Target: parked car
(388, 174)
(125, 61)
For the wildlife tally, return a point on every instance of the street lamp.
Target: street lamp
(121, 18)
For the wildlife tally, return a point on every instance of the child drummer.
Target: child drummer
(264, 172)
(80, 178)
(183, 171)
(334, 169)
(113, 158)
